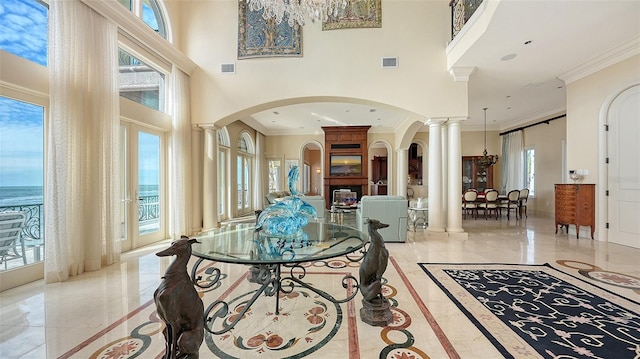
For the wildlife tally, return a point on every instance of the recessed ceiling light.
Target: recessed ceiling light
(508, 96)
(508, 108)
(508, 57)
(276, 112)
(372, 110)
(347, 110)
(527, 42)
(560, 87)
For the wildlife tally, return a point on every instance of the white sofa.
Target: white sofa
(391, 210)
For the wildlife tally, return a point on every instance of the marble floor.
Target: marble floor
(95, 309)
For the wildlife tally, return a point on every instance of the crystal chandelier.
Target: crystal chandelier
(297, 10)
(486, 160)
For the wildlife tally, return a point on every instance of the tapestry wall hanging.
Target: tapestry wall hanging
(357, 14)
(258, 37)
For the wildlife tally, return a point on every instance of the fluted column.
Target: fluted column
(435, 176)
(403, 170)
(210, 180)
(454, 212)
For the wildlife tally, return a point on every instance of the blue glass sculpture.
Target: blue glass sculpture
(286, 218)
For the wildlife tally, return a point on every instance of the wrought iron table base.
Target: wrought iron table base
(269, 276)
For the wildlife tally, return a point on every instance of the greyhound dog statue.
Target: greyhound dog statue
(375, 307)
(374, 263)
(179, 305)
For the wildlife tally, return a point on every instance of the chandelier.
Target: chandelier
(486, 160)
(297, 10)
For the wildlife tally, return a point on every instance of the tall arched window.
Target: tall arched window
(223, 173)
(150, 12)
(244, 163)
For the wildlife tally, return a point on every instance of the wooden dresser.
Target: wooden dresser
(575, 204)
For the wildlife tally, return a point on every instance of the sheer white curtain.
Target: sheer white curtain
(82, 191)
(179, 193)
(260, 174)
(512, 161)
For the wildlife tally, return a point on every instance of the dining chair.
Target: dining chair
(511, 203)
(490, 203)
(524, 196)
(11, 245)
(469, 203)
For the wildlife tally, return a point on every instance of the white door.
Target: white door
(142, 183)
(624, 168)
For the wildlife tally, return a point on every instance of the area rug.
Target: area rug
(307, 326)
(539, 311)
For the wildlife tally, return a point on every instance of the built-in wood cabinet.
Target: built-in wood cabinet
(475, 177)
(346, 160)
(379, 169)
(575, 204)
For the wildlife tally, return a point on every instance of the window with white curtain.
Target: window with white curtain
(140, 82)
(530, 170)
(244, 166)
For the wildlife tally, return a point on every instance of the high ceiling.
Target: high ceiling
(519, 61)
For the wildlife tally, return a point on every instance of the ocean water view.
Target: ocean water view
(24, 195)
(20, 195)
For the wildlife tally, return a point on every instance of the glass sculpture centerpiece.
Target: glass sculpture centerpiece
(285, 219)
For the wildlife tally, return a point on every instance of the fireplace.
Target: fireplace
(346, 160)
(356, 189)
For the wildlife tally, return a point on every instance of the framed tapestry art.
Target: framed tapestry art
(356, 14)
(258, 37)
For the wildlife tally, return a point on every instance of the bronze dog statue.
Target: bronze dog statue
(374, 263)
(179, 305)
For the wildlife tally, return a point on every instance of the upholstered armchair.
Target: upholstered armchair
(392, 210)
(318, 204)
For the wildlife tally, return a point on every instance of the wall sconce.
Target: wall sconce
(318, 170)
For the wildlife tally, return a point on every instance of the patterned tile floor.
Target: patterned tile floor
(90, 312)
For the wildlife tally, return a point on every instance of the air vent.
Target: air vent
(228, 68)
(389, 62)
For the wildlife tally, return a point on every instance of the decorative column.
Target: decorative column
(435, 176)
(445, 173)
(402, 159)
(454, 212)
(209, 179)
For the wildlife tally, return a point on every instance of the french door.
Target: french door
(143, 211)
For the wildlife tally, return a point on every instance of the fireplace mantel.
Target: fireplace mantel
(346, 141)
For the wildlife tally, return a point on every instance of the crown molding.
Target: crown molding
(608, 58)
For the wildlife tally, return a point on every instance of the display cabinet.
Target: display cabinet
(473, 176)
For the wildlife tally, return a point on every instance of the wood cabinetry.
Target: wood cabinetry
(349, 143)
(575, 204)
(379, 169)
(475, 177)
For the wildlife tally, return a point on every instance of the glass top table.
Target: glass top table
(242, 244)
(266, 256)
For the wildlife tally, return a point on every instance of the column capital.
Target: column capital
(457, 119)
(461, 73)
(208, 126)
(433, 121)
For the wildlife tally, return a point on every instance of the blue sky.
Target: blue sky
(23, 32)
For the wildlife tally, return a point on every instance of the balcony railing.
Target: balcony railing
(148, 216)
(461, 11)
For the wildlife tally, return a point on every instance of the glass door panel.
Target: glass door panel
(144, 214)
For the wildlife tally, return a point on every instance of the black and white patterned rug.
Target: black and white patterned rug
(540, 311)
